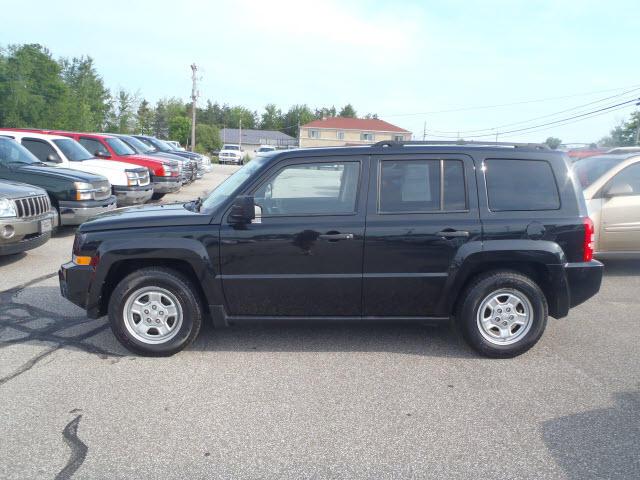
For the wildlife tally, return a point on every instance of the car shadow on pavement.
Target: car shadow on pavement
(621, 268)
(602, 443)
(9, 259)
(46, 325)
(65, 231)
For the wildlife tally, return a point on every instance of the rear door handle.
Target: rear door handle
(452, 233)
(334, 237)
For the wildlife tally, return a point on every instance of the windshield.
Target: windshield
(73, 150)
(120, 147)
(138, 145)
(231, 184)
(12, 152)
(159, 145)
(231, 147)
(590, 169)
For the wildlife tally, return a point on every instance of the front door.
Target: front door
(421, 210)
(620, 217)
(303, 255)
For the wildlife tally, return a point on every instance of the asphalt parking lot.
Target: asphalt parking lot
(309, 400)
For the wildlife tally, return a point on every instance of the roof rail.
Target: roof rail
(391, 143)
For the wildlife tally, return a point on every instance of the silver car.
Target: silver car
(611, 186)
(26, 217)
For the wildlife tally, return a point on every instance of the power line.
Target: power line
(522, 102)
(607, 109)
(493, 129)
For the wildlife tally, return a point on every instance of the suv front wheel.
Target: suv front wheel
(154, 312)
(503, 314)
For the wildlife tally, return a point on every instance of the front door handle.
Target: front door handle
(334, 237)
(453, 233)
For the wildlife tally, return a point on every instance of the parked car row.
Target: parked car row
(51, 178)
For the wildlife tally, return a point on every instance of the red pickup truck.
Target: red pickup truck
(165, 173)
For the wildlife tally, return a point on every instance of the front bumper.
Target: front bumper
(132, 195)
(230, 160)
(166, 184)
(76, 212)
(74, 283)
(28, 233)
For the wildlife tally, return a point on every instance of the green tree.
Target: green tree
(179, 129)
(325, 112)
(207, 138)
(623, 135)
(553, 142)
(144, 118)
(271, 118)
(348, 111)
(122, 113)
(32, 93)
(297, 115)
(237, 113)
(87, 103)
(160, 120)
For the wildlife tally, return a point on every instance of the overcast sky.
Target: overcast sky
(402, 60)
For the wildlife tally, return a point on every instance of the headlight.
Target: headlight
(132, 179)
(7, 208)
(84, 191)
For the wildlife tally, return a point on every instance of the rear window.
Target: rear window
(517, 185)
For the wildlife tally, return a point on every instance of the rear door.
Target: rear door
(421, 210)
(620, 217)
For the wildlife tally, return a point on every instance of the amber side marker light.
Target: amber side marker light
(84, 260)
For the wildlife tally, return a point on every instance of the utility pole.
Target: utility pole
(194, 98)
(240, 137)
(424, 131)
(299, 136)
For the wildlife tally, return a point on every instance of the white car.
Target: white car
(264, 150)
(176, 144)
(231, 153)
(59, 151)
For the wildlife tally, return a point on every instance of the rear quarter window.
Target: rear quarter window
(520, 185)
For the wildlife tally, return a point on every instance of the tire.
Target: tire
(157, 196)
(157, 289)
(503, 314)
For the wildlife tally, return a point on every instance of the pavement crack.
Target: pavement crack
(78, 449)
(28, 365)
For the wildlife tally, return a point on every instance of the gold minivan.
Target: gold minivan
(611, 185)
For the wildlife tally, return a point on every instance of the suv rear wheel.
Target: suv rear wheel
(154, 312)
(503, 314)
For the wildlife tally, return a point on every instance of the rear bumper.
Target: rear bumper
(584, 280)
(166, 184)
(77, 212)
(133, 195)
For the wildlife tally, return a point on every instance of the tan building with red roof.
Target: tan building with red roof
(341, 131)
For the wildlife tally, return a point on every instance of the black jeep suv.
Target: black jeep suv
(492, 237)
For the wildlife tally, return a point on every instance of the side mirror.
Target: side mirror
(243, 210)
(618, 190)
(53, 158)
(101, 154)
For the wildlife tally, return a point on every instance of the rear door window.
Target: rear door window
(520, 185)
(421, 186)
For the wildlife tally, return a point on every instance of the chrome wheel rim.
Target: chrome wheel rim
(152, 315)
(505, 316)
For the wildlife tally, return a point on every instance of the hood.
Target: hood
(190, 155)
(145, 216)
(106, 165)
(62, 173)
(167, 156)
(18, 190)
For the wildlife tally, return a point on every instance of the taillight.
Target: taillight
(589, 239)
